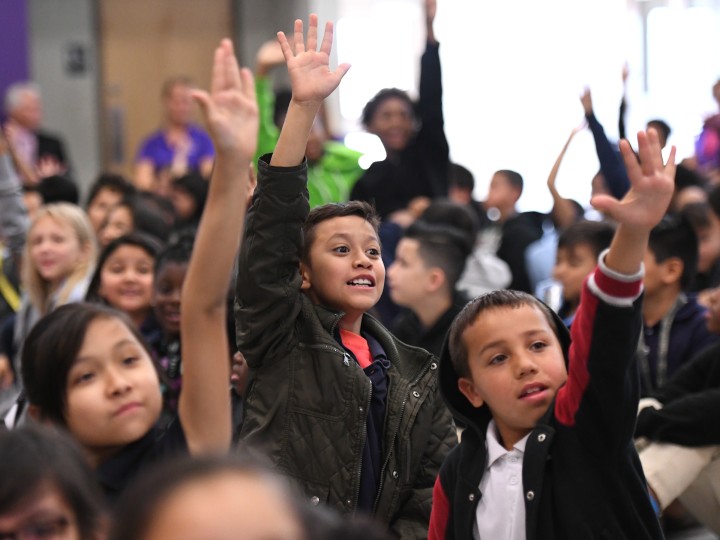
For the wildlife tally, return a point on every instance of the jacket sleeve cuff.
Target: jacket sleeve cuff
(613, 287)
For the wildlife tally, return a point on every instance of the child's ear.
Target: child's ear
(305, 274)
(467, 389)
(673, 270)
(437, 279)
(35, 413)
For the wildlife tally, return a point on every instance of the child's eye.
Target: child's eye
(497, 359)
(374, 252)
(538, 345)
(342, 249)
(130, 360)
(84, 377)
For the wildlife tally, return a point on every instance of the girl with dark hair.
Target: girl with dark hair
(47, 489)
(86, 367)
(123, 278)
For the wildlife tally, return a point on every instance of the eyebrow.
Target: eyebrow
(348, 237)
(119, 345)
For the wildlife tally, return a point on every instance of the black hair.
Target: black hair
(443, 247)
(662, 127)
(146, 219)
(58, 188)
(333, 210)
(33, 456)
(597, 235)
(145, 496)
(675, 237)
(452, 214)
(196, 186)
(147, 243)
(110, 181)
(515, 179)
(177, 250)
(503, 298)
(381, 97)
(460, 177)
(50, 351)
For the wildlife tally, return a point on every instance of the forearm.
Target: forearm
(290, 148)
(627, 250)
(611, 165)
(688, 421)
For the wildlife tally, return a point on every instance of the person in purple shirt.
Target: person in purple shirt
(178, 147)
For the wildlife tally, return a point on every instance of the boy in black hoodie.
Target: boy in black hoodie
(548, 451)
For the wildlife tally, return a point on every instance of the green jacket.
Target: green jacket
(332, 177)
(307, 403)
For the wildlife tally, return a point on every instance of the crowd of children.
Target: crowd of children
(225, 364)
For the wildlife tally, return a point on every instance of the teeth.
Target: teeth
(532, 391)
(361, 282)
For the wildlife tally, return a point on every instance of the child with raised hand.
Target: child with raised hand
(548, 451)
(87, 368)
(337, 402)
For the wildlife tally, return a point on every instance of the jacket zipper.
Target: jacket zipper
(360, 462)
(394, 437)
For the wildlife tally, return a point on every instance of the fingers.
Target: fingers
(670, 166)
(285, 46)
(312, 33)
(202, 98)
(217, 83)
(631, 163)
(341, 70)
(326, 46)
(230, 65)
(248, 84)
(299, 41)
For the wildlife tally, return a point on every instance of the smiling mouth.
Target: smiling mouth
(532, 390)
(361, 282)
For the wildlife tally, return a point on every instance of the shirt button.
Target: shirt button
(433, 366)
(416, 394)
(395, 474)
(513, 480)
(471, 497)
(541, 437)
(514, 459)
(314, 500)
(530, 495)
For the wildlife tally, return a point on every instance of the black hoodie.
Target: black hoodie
(581, 474)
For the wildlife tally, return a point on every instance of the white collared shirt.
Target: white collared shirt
(500, 514)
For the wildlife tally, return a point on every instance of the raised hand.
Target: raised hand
(269, 55)
(651, 185)
(230, 109)
(310, 75)
(586, 100)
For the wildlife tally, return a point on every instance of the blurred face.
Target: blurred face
(179, 105)
(167, 293)
(393, 123)
(32, 200)
(225, 506)
(572, 266)
(113, 391)
(100, 206)
(184, 203)
(708, 245)
(44, 516)
(126, 279)
(118, 223)
(28, 112)
(516, 368)
(345, 270)
(501, 194)
(408, 276)
(55, 249)
(712, 315)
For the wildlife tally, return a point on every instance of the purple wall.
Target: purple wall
(14, 44)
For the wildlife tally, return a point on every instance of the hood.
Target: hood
(460, 407)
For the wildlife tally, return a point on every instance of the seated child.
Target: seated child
(335, 400)
(548, 451)
(579, 247)
(674, 328)
(107, 191)
(429, 260)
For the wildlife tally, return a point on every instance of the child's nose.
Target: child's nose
(525, 365)
(117, 382)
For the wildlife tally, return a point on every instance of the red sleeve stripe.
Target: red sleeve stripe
(440, 512)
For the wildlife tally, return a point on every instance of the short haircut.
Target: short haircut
(146, 218)
(146, 495)
(172, 82)
(461, 177)
(442, 247)
(334, 210)
(499, 299)
(662, 127)
(178, 250)
(513, 178)
(196, 186)
(147, 243)
(15, 91)
(597, 235)
(675, 237)
(112, 182)
(452, 214)
(51, 349)
(58, 188)
(34, 456)
(371, 107)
